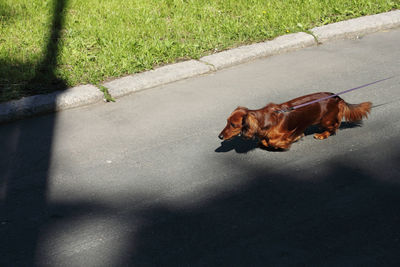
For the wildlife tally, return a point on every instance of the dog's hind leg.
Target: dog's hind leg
(330, 124)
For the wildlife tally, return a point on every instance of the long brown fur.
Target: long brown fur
(280, 130)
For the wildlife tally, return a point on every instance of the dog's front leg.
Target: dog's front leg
(280, 143)
(264, 142)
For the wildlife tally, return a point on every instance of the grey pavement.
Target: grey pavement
(146, 181)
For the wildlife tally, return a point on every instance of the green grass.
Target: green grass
(94, 40)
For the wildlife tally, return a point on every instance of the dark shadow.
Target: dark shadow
(273, 149)
(338, 215)
(349, 125)
(46, 78)
(313, 129)
(344, 125)
(239, 144)
(39, 78)
(25, 152)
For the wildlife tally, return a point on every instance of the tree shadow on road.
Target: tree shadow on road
(25, 153)
(339, 215)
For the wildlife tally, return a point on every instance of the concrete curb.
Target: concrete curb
(246, 53)
(357, 27)
(163, 75)
(89, 94)
(60, 100)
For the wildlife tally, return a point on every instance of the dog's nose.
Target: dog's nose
(221, 136)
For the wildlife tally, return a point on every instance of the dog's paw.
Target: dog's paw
(321, 136)
(264, 143)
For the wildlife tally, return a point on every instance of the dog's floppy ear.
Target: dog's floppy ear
(242, 112)
(250, 125)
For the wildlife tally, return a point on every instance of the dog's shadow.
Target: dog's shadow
(241, 145)
(344, 125)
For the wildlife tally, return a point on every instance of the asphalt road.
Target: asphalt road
(146, 182)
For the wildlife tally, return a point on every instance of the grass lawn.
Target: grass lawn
(46, 45)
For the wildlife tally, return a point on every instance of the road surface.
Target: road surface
(146, 182)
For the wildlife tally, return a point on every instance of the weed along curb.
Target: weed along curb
(89, 94)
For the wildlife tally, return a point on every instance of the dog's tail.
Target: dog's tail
(355, 112)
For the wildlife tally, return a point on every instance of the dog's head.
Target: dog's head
(248, 124)
(235, 123)
(240, 122)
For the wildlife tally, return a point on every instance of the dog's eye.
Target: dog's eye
(233, 125)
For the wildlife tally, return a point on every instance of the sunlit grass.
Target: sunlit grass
(110, 38)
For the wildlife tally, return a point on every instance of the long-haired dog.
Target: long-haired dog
(279, 129)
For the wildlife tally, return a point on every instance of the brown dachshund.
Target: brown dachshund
(279, 130)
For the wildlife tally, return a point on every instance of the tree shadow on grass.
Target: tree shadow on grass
(25, 153)
(39, 78)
